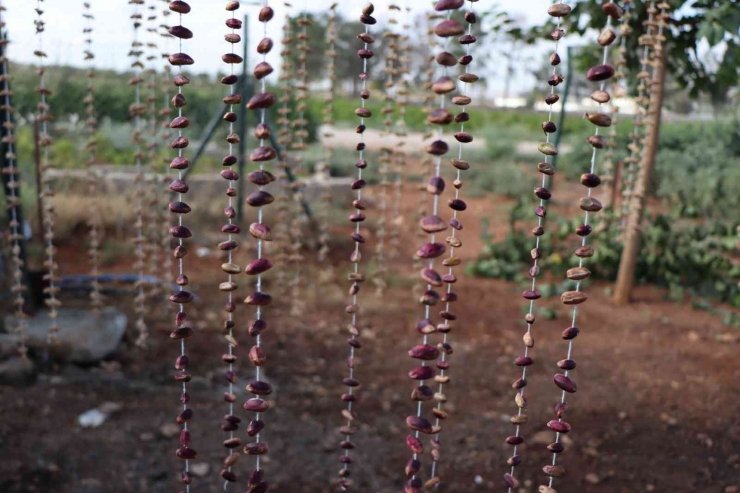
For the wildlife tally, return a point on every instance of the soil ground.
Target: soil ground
(656, 407)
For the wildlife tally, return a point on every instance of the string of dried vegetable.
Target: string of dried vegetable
(639, 120)
(456, 204)
(355, 277)
(180, 233)
(44, 142)
(136, 111)
(400, 156)
(230, 421)
(557, 11)
(433, 225)
(386, 157)
(323, 167)
(284, 138)
(589, 205)
(13, 199)
(259, 299)
(300, 134)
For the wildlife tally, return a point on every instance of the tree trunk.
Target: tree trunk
(628, 261)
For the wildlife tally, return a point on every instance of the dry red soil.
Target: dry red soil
(656, 407)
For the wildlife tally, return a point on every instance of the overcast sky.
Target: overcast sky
(63, 39)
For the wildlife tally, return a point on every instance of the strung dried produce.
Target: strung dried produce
(136, 111)
(647, 41)
(456, 204)
(165, 115)
(589, 205)
(17, 288)
(558, 11)
(300, 134)
(231, 421)
(155, 251)
(46, 194)
(323, 166)
(356, 278)
(433, 225)
(93, 178)
(386, 157)
(281, 232)
(260, 102)
(181, 297)
(427, 164)
(400, 157)
(620, 64)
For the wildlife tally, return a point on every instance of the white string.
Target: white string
(231, 257)
(93, 191)
(328, 120)
(432, 236)
(535, 263)
(390, 93)
(47, 194)
(180, 242)
(638, 124)
(166, 111)
(14, 201)
(402, 100)
(140, 297)
(301, 96)
(592, 168)
(153, 206)
(356, 257)
(263, 89)
(445, 334)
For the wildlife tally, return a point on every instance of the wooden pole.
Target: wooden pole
(628, 261)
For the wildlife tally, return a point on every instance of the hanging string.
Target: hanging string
(136, 111)
(164, 177)
(432, 225)
(600, 73)
(93, 178)
(427, 163)
(656, 25)
(44, 142)
(285, 139)
(558, 11)
(635, 145)
(457, 205)
(259, 299)
(400, 71)
(300, 133)
(620, 64)
(231, 421)
(181, 297)
(154, 247)
(387, 155)
(356, 277)
(13, 200)
(323, 167)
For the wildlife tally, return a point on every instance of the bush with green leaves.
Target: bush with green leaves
(684, 257)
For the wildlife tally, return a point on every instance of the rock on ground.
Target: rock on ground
(83, 337)
(17, 371)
